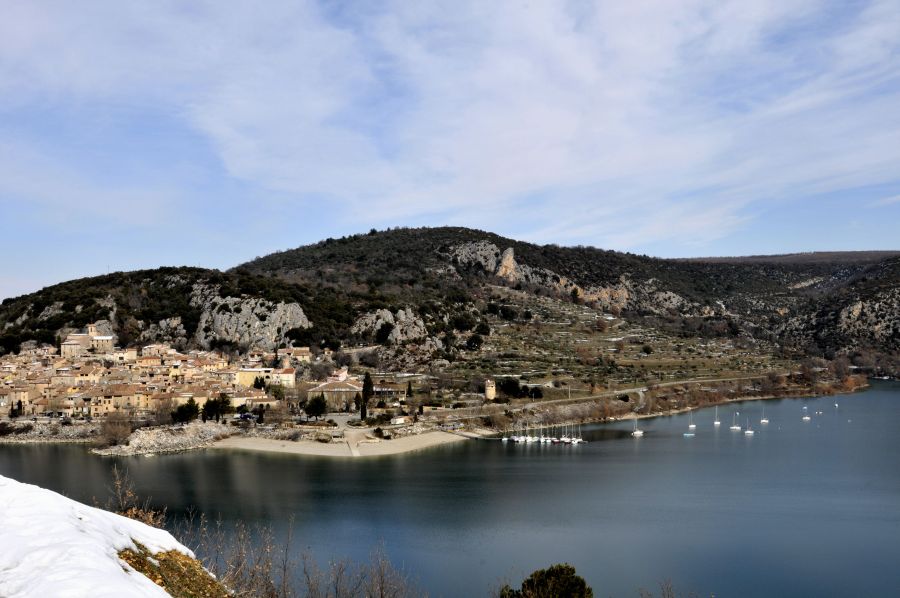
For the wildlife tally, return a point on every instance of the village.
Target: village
(129, 400)
(91, 379)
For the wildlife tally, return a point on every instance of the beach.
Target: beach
(355, 445)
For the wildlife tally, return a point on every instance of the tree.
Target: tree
(187, 412)
(115, 429)
(216, 408)
(259, 383)
(483, 329)
(276, 391)
(508, 313)
(555, 582)
(409, 391)
(316, 407)
(474, 342)
(368, 392)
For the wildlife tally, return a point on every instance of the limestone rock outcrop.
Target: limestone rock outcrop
(249, 322)
(407, 326)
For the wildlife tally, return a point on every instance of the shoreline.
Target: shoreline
(735, 400)
(357, 444)
(348, 449)
(669, 413)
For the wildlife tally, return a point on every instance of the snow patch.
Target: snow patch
(51, 545)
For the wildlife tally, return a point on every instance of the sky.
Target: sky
(141, 134)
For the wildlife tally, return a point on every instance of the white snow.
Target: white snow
(51, 545)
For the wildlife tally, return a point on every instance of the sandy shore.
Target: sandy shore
(354, 447)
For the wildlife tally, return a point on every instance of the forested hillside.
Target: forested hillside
(407, 285)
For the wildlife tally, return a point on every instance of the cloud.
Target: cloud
(614, 123)
(885, 201)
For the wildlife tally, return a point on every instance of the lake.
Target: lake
(799, 509)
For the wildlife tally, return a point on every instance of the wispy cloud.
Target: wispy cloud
(613, 123)
(885, 201)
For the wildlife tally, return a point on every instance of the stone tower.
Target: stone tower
(490, 390)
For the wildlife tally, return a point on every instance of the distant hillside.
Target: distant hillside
(798, 298)
(405, 286)
(829, 258)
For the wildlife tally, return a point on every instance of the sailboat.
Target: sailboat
(717, 422)
(576, 437)
(692, 425)
(546, 439)
(764, 419)
(749, 430)
(637, 433)
(806, 417)
(734, 425)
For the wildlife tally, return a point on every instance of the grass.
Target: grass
(178, 574)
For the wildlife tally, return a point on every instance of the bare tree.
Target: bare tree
(115, 429)
(162, 411)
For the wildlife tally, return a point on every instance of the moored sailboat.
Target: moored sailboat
(637, 433)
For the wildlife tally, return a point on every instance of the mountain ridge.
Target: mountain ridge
(327, 293)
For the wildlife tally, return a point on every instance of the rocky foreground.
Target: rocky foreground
(26, 432)
(168, 439)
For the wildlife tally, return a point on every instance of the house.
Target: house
(79, 337)
(339, 394)
(102, 344)
(300, 354)
(71, 348)
(247, 376)
(149, 361)
(155, 350)
(125, 356)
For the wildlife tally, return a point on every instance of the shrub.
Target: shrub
(557, 580)
(115, 429)
(474, 342)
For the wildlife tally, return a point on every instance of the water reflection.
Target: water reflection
(814, 505)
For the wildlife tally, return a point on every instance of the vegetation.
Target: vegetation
(557, 581)
(115, 429)
(791, 300)
(316, 407)
(368, 391)
(186, 412)
(216, 408)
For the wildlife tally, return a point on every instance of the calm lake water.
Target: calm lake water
(799, 509)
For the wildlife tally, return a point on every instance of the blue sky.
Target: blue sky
(134, 135)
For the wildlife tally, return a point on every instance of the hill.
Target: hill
(420, 290)
(814, 302)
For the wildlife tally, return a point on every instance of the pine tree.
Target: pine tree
(368, 392)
